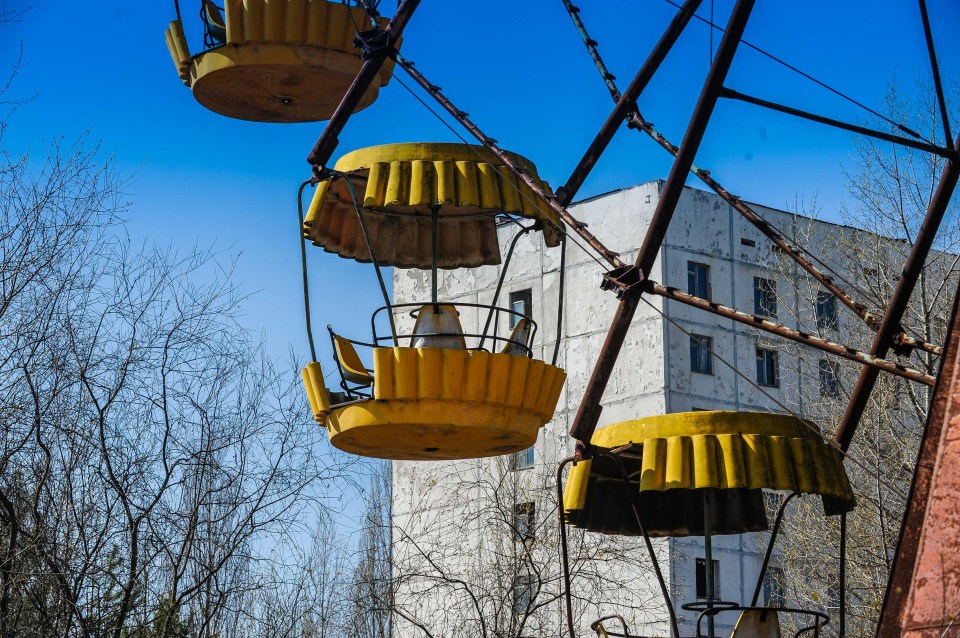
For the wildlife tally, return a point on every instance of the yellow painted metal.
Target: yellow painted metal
(399, 186)
(727, 450)
(353, 368)
(179, 52)
(432, 403)
(312, 376)
(284, 61)
(671, 457)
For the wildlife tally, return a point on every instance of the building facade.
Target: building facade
(475, 542)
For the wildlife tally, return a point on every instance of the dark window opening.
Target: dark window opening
(764, 297)
(768, 368)
(773, 588)
(747, 242)
(698, 279)
(524, 520)
(521, 301)
(701, 355)
(521, 460)
(702, 578)
(826, 310)
(828, 379)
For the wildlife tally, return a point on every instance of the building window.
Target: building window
(701, 356)
(828, 381)
(768, 369)
(773, 590)
(698, 279)
(747, 242)
(826, 310)
(764, 297)
(524, 593)
(702, 578)
(521, 301)
(524, 520)
(521, 460)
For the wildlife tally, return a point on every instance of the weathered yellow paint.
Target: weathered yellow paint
(400, 185)
(730, 450)
(575, 494)
(284, 60)
(312, 377)
(433, 403)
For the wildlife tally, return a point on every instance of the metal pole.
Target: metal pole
(589, 411)
(890, 325)
(708, 560)
(627, 101)
(323, 149)
(843, 575)
(434, 232)
(792, 334)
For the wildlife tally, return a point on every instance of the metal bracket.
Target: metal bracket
(375, 44)
(624, 280)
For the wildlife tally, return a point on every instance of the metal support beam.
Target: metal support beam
(636, 121)
(589, 412)
(922, 591)
(861, 130)
(611, 257)
(792, 334)
(897, 306)
(626, 102)
(327, 144)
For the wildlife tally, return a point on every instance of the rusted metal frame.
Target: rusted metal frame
(327, 143)
(935, 69)
(611, 256)
(673, 187)
(591, 44)
(635, 120)
(795, 253)
(875, 363)
(897, 305)
(588, 413)
(820, 119)
(908, 545)
(627, 101)
(770, 544)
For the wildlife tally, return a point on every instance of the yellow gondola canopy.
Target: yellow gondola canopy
(671, 459)
(439, 403)
(282, 61)
(399, 186)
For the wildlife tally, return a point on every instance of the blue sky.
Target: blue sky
(519, 70)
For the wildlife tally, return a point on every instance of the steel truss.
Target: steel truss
(631, 281)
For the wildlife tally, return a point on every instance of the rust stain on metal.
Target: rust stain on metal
(923, 596)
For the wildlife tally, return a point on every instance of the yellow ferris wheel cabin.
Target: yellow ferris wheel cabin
(435, 390)
(274, 60)
(671, 459)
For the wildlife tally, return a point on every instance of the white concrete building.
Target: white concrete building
(458, 562)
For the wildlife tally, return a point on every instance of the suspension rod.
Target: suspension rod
(861, 130)
(636, 120)
(792, 334)
(611, 256)
(327, 144)
(626, 102)
(897, 306)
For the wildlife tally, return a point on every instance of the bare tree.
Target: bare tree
(152, 456)
(476, 550)
(890, 188)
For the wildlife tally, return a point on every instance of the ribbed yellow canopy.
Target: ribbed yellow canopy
(670, 458)
(283, 61)
(399, 185)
